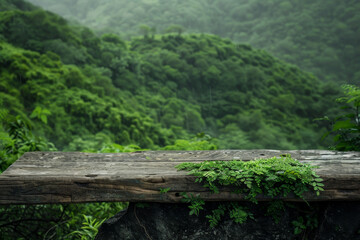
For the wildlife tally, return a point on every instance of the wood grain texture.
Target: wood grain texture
(59, 177)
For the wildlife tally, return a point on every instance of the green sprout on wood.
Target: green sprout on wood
(164, 190)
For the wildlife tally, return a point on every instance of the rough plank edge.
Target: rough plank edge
(65, 190)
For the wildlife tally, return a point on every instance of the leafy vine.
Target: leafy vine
(274, 177)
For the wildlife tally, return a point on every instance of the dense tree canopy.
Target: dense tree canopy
(319, 36)
(153, 90)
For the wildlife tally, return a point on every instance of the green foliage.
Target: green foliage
(116, 148)
(41, 114)
(301, 224)
(196, 203)
(200, 142)
(216, 215)
(234, 92)
(238, 213)
(273, 177)
(62, 221)
(83, 220)
(346, 127)
(6, 5)
(164, 190)
(77, 114)
(152, 91)
(175, 29)
(318, 36)
(89, 229)
(17, 138)
(55, 221)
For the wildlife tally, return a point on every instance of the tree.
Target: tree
(145, 30)
(175, 29)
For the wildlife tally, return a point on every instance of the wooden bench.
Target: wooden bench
(60, 177)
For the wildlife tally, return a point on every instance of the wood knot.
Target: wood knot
(150, 179)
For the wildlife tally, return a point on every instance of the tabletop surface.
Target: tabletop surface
(68, 177)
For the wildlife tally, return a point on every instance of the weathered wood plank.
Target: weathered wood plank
(166, 156)
(57, 177)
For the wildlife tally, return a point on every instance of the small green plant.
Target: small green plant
(237, 213)
(216, 215)
(41, 114)
(303, 223)
(196, 203)
(89, 229)
(164, 190)
(299, 225)
(273, 177)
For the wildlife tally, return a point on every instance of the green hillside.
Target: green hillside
(154, 89)
(321, 36)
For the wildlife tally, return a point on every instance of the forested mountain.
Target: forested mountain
(154, 89)
(322, 37)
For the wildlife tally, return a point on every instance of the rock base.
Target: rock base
(160, 221)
